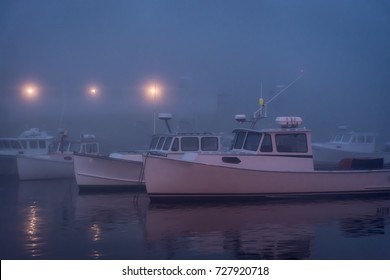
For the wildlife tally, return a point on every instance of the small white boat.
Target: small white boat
(349, 149)
(117, 170)
(58, 163)
(262, 163)
(126, 168)
(30, 142)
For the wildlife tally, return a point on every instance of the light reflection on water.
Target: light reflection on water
(33, 239)
(52, 220)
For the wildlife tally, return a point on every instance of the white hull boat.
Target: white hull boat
(52, 166)
(92, 172)
(59, 162)
(263, 163)
(126, 168)
(347, 146)
(174, 178)
(30, 142)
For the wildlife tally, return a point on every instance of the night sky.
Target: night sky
(209, 59)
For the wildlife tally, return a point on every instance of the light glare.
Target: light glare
(30, 92)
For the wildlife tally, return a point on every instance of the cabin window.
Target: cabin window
(153, 143)
(370, 139)
(91, 148)
(175, 145)
(53, 147)
(6, 145)
(252, 141)
(361, 139)
(42, 144)
(266, 145)
(15, 145)
(167, 143)
(291, 143)
(209, 143)
(337, 138)
(33, 144)
(346, 138)
(189, 144)
(160, 143)
(239, 140)
(24, 144)
(1, 145)
(76, 147)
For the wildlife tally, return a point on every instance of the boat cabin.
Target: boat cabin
(359, 141)
(87, 144)
(287, 148)
(289, 139)
(185, 142)
(30, 142)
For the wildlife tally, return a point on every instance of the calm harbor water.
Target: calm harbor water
(52, 220)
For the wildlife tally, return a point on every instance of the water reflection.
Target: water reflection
(363, 226)
(107, 216)
(52, 220)
(277, 230)
(43, 203)
(95, 232)
(33, 223)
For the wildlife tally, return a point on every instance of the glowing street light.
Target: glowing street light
(93, 91)
(153, 92)
(30, 92)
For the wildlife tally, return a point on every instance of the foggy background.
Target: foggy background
(207, 58)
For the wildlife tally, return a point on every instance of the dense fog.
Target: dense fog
(207, 61)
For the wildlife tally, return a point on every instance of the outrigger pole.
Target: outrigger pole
(262, 111)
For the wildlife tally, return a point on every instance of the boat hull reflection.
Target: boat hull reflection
(278, 230)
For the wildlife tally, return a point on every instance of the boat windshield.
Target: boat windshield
(337, 138)
(90, 148)
(238, 140)
(252, 141)
(247, 140)
(167, 143)
(346, 138)
(160, 143)
(153, 143)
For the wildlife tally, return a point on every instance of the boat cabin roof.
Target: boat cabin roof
(272, 130)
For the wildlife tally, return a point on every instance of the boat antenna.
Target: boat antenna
(261, 113)
(285, 88)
